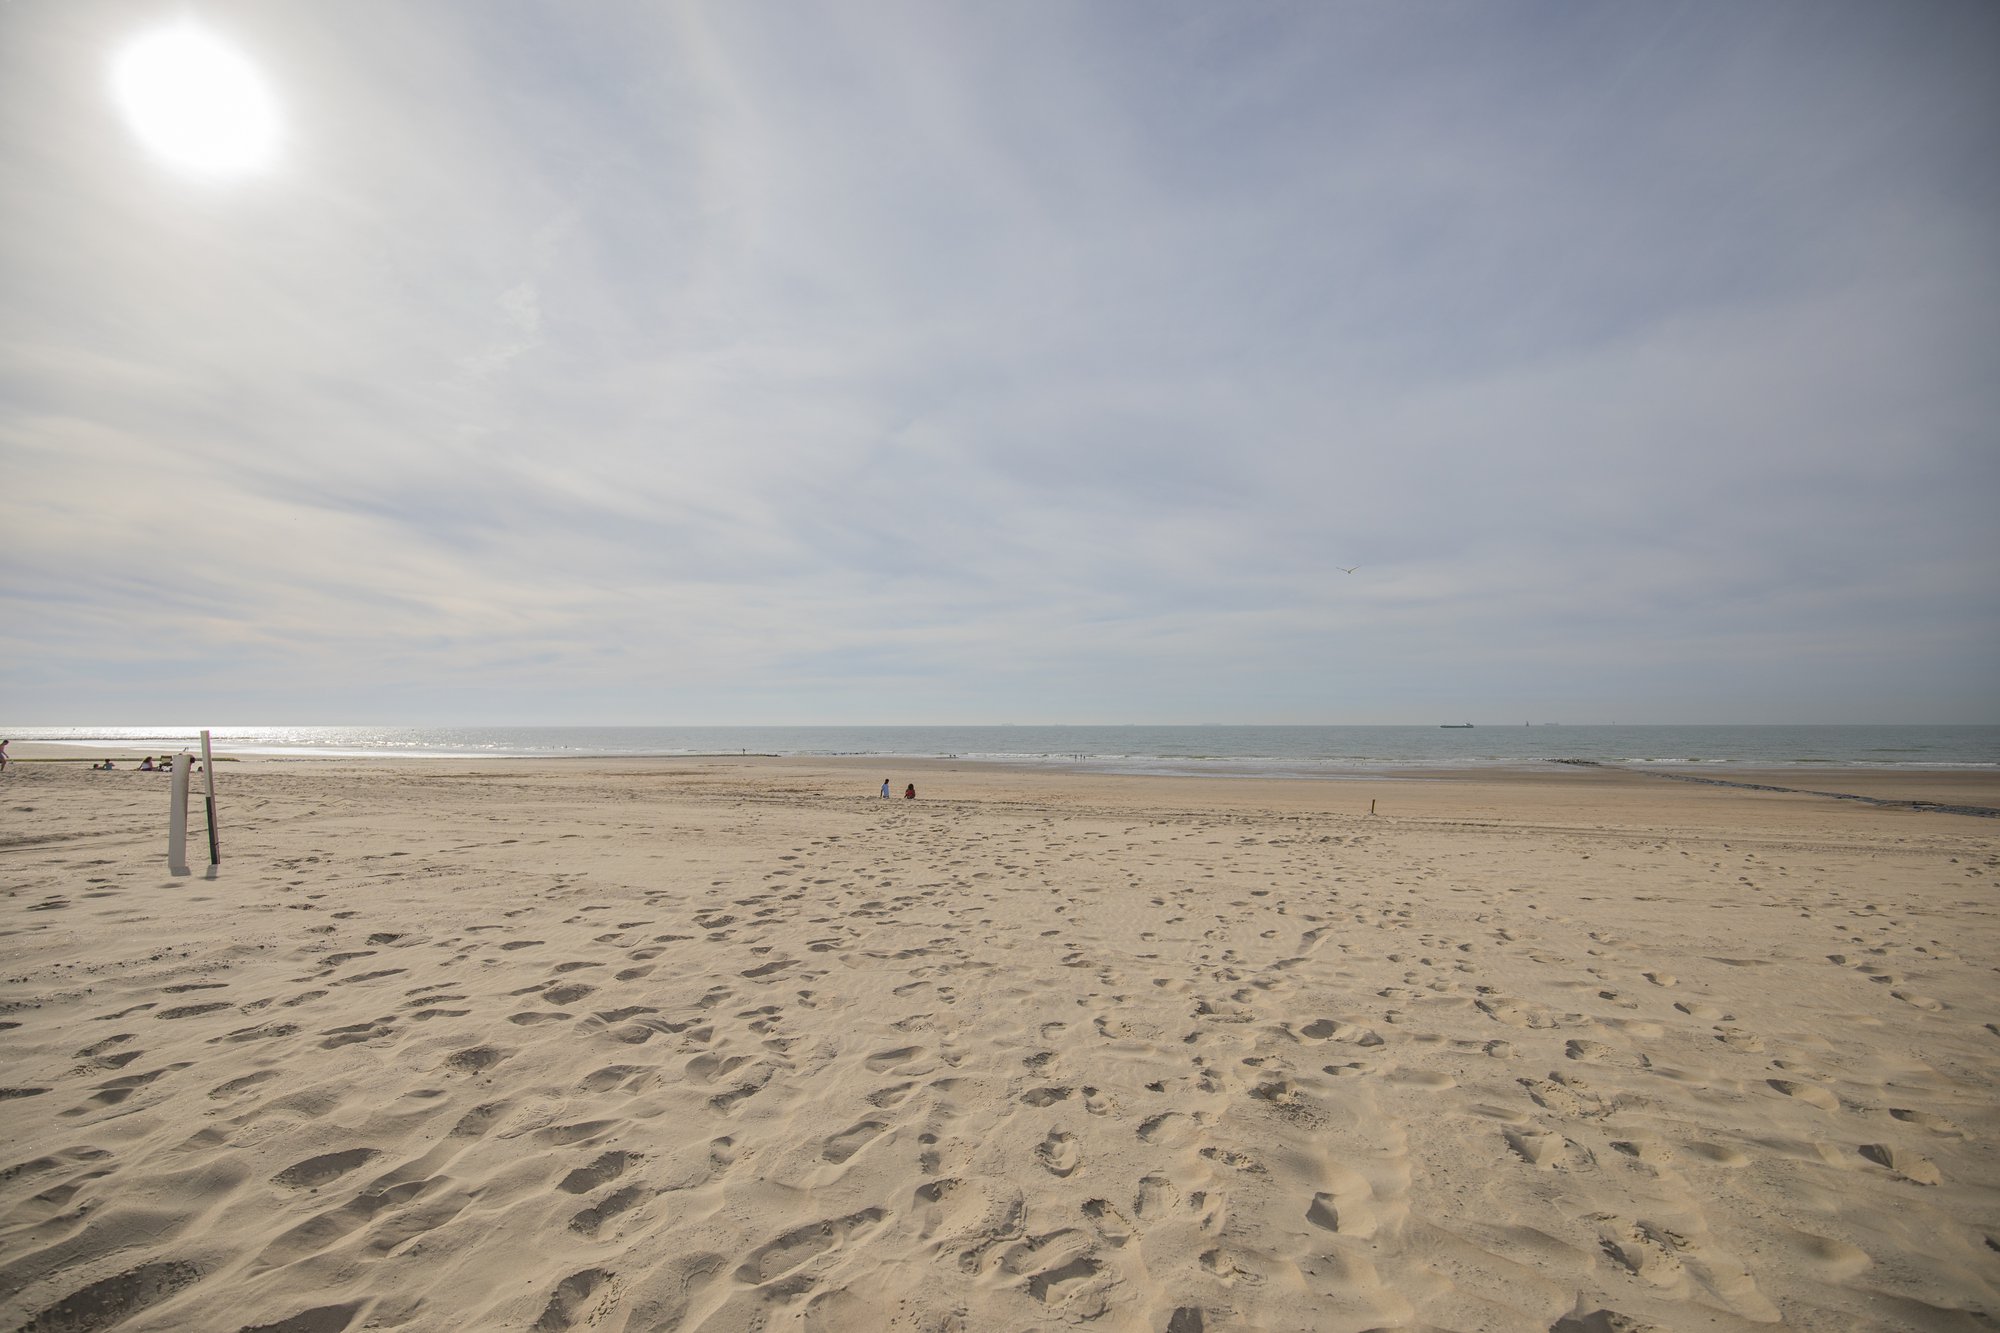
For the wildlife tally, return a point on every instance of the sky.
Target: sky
(760, 362)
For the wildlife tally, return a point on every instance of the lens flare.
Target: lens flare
(196, 102)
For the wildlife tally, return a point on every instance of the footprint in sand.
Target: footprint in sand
(1169, 1129)
(357, 1032)
(1059, 1154)
(1347, 1206)
(1156, 1198)
(115, 1299)
(1060, 1280)
(1831, 1259)
(1937, 1124)
(852, 1140)
(883, 1061)
(1644, 1149)
(1238, 1161)
(589, 1221)
(1516, 1014)
(1111, 1225)
(191, 1010)
(316, 1171)
(576, 1301)
(608, 1167)
(476, 1122)
(1717, 1154)
(222, 1091)
(98, 1048)
(1420, 1080)
(1565, 1097)
(1538, 1148)
(1810, 1093)
(319, 1319)
(1907, 1163)
(113, 1091)
(798, 1247)
(893, 1095)
(475, 1059)
(710, 1066)
(1642, 1250)
(927, 1200)
(581, 1132)
(611, 1076)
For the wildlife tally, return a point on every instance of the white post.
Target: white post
(208, 771)
(177, 818)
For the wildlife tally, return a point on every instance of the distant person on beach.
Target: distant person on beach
(885, 789)
(3, 756)
(910, 792)
(146, 764)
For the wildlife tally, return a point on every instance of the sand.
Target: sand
(732, 1045)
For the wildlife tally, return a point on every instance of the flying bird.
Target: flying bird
(1347, 569)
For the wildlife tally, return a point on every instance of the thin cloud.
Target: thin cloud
(713, 363)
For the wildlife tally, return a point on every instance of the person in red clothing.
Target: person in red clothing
(910, 792)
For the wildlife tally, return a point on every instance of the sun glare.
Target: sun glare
(196, 102)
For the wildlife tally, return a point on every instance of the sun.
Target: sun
(196, 102)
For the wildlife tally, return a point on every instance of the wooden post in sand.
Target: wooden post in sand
(208, 772)
(177, 818)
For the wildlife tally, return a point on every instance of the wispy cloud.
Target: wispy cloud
(743, 362)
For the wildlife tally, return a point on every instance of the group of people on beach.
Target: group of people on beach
(164, 764)
(909, 792)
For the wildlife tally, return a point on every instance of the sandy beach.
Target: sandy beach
(736, 1044)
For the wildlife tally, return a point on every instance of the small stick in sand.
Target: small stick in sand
(208, 772)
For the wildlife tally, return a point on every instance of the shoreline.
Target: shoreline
(1955, 791)
(1322, 753)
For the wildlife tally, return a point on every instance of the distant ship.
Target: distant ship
(1454, 726)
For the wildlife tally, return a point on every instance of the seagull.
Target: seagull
(1347, 569)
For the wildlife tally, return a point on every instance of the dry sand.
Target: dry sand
(739, 1045)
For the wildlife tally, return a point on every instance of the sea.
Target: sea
(1242, 751)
